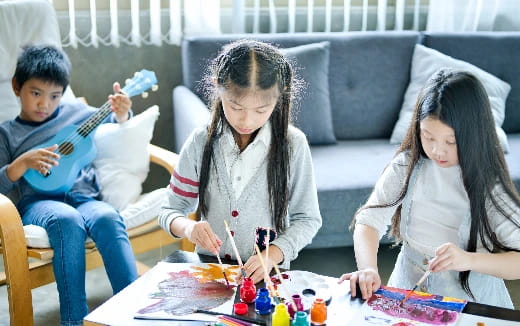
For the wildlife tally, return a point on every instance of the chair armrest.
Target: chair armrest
(163, 157)
(16, 265)
(189, 113)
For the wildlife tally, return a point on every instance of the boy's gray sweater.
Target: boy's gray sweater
(248, 216)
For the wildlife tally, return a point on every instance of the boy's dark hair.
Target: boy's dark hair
(244, 65)
(44, 62)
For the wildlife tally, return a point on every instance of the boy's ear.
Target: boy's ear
(16, 87)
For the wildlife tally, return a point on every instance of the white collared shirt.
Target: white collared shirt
(242, 166)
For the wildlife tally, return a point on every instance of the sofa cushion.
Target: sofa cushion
(345, 176)
(311, 112)
(494, 52)
(122, 160)
(426, 62)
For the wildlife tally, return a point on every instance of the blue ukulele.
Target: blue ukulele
(76, 146)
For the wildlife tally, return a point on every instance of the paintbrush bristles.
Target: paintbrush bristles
(222, 268)
(423, 278)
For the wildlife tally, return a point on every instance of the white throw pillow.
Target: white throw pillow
(122, 160)
(425, 63)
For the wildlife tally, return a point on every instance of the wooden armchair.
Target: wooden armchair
(21, 277)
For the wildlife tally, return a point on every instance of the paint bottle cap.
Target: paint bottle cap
(240, 308)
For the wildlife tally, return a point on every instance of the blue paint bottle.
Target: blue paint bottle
(262, 302)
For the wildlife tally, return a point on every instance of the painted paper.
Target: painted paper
(385, 308)
(177, 290)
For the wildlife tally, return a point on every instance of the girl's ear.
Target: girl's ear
(16, 87)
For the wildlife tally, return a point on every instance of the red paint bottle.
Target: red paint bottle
(247, 290)
(319, 312)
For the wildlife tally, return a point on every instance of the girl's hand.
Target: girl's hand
(450, 257)
(254, 269)
(120, 103)
(368, 279)
(201, 234)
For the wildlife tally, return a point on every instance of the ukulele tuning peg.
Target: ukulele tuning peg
(155, 88)
(144, 94)
(127, 81)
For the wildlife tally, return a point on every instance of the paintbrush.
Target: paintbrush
(416, 286)
(222, 268)
(285, 289)
(239, 260)
(266, 273)
(246, 319)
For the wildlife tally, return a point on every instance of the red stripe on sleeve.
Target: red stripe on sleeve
(185, 180)
(181, 192)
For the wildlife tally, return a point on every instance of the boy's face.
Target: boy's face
(39, 99)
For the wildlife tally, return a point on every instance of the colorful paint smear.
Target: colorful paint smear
(385, 308)
(185, 291)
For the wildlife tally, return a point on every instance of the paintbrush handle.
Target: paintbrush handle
(422, 278)
(233, 244)
(247, 319)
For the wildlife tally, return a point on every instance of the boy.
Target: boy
(41, 76)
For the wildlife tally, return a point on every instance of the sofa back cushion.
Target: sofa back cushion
(368, 74)
(496, 53)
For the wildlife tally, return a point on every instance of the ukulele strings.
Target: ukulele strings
(90, 124)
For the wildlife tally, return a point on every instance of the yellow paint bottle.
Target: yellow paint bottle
(281, 316)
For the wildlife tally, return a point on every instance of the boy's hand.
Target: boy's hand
(39, 159)
(120, 103)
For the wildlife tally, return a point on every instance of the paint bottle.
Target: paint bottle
(247, 290)
(281, 316)
(300, 319)
(263, 302)
(319, 312)
(298, 302)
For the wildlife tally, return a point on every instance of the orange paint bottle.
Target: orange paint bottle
(319, 312)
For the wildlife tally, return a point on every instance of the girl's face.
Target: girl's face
(39, 99)
(248, 110)
(439, 143)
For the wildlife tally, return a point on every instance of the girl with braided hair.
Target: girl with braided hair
(449, 200)
(249, 167)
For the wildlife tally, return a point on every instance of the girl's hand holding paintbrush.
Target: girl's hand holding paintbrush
(253, 266)
(448, 257)
(202, 235)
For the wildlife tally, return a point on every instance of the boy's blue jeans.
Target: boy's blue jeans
(68, 221)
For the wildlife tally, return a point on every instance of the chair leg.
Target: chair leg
(16, 264)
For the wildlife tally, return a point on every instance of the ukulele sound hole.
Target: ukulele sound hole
(66, 148)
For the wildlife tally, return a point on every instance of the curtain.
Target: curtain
(473, 15)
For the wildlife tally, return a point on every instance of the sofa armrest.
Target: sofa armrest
(189, 113)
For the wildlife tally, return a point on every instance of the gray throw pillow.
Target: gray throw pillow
(312, 113)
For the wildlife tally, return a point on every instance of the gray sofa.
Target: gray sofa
(368, 76)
